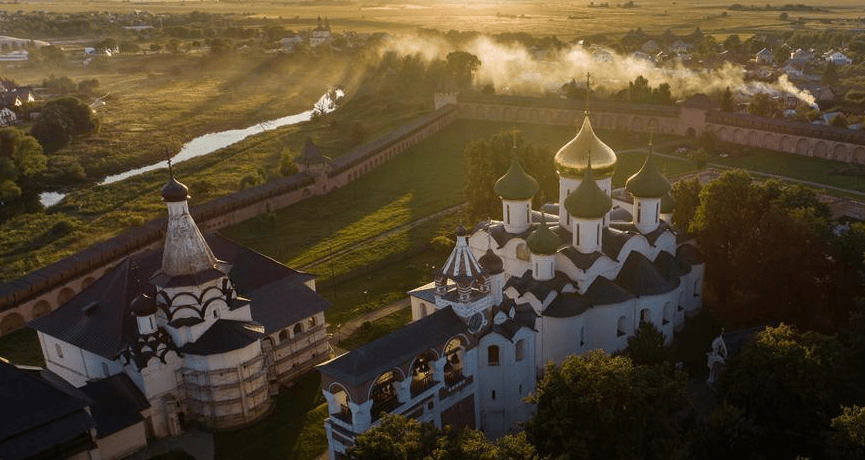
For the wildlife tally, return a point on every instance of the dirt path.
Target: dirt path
(349, 327)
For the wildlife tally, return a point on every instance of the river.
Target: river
(209, 143)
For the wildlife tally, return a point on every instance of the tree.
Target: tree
(599, 406)
(847, 439)
(726, 433)
(839, 121)
(727, 103)
(462, 66)
(638, 90)
(686, 194)
(646, 346)
(489, 159)
(830, 74)
(764, 105)
(400, 438)
(728, 211)
(791, 384)
(21, 160)
(61, 120)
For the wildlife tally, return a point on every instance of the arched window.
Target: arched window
(520, 349)
(283, 335)
(645, 316)
(696, 288)
(493, 355)
(582, 336)
(507, 214)
(105, 369)
(311, 321)
(639, 210)
(298, 328)
(620, 327)
(216, 313)
(58, 350)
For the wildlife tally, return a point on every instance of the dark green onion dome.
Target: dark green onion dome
(516, 184)
(648, 182)
(543, 240)
(143, 305)
(491, 262)
(588, 201)
(667, 204)
(571, 160)
(174, 191)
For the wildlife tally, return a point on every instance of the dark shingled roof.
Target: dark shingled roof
(224, 336)
(613, 241)
(689, 255)
(605, 292)
(540, 289)
(310, 154)
(640, 277)
(369, 361)
(670, 267)
(118, 403)
(567, 305)
(580, 260)
(278, 296)
(40, 411)
(524, 316)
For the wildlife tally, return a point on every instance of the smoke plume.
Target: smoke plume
(513, 69)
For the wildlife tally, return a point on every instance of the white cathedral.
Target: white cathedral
(518, 294)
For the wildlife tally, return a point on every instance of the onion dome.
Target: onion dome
(588, 201)
(143, 305)
(174, 191)
(491, 262)
(648, 182)
(571, 160)
(543, 240)
(516, 184)
(667, 204)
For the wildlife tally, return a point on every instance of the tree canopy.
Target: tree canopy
(599, 406)
(62, 120)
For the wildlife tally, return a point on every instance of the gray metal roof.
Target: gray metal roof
(640, 277)
(401, 346)
(118, 403)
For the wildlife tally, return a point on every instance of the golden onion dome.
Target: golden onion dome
(571, 160)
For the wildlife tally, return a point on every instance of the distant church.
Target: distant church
(518, 294)
(204, 328)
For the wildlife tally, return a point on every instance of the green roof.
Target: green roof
(588, 201)
(516, 184)
(543, 240)
(648, 182)
(667, 203)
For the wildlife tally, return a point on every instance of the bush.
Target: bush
(442, 244)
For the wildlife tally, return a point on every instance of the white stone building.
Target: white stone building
(519, 293)
(321, 34)
(205, 328)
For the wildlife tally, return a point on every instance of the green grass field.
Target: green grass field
(22, 347)
(375, 329)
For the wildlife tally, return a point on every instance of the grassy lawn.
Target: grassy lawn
(22, 347)
(381, 327)
(295, 430)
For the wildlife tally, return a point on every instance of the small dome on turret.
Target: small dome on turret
(491, 262)
(174, 191)
(588, 200)
(461, 231)
(543, 240)
(516, 184)
(572, 161)
(667, 204)
(648, 182)
(143, 305)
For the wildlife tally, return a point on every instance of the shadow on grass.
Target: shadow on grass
(295, 429)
